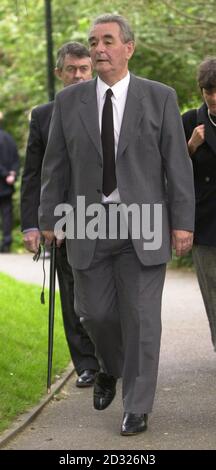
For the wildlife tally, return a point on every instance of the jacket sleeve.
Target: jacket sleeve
(3, 170)
(31, 178)
(9, 149)
(15, 160)
(55, 170)
(178, 167)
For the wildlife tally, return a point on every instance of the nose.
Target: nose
(100, 48)
(77, 73)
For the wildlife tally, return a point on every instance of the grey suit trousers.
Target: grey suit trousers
(119, 302)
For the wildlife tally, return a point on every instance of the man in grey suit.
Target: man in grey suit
(127, 146)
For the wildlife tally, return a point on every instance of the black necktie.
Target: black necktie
(108, 145)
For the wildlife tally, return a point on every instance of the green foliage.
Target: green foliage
(172, 37)
(182, 261)
(17, 244)
(23, 347)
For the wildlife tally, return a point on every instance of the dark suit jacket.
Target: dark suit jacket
(9, 161)
(204, 166)
(152, 164)
(31, 179)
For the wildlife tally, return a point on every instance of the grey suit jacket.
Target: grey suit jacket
(152, 164)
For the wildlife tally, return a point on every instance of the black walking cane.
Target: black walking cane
(51, 312)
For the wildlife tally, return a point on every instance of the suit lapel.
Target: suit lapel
(89, 115)
(202, 118)
(132, 114)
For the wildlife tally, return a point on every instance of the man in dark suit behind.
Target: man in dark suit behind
(9, 165)
(73, 66)
(127, 148)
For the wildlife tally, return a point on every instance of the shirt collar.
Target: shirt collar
(118, 89)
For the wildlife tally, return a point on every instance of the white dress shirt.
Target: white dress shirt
(118, 98)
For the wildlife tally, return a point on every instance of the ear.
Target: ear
(58, 73)
(130, 49)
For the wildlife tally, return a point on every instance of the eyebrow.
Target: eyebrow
(77, 66)
(106, 36)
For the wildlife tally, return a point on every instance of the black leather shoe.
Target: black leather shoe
(86, 378)
(133, 424)
(104, 390)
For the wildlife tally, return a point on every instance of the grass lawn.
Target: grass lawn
(23, 347)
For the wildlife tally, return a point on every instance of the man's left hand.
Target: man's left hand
(49, 237)
(182, 241)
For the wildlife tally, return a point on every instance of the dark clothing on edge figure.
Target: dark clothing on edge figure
(9, 162)
(204, 167)
(204, 249)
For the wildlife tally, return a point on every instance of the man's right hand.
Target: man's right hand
(31, 240)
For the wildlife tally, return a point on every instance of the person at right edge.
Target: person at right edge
(200, 130)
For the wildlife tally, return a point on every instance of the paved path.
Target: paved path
(184, 414)
(23, 268)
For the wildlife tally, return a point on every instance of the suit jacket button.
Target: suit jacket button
(207, 179)
(99, 191)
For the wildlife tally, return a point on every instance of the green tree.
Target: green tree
(172, 37)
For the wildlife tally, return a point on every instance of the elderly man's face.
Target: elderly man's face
(109, 53)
